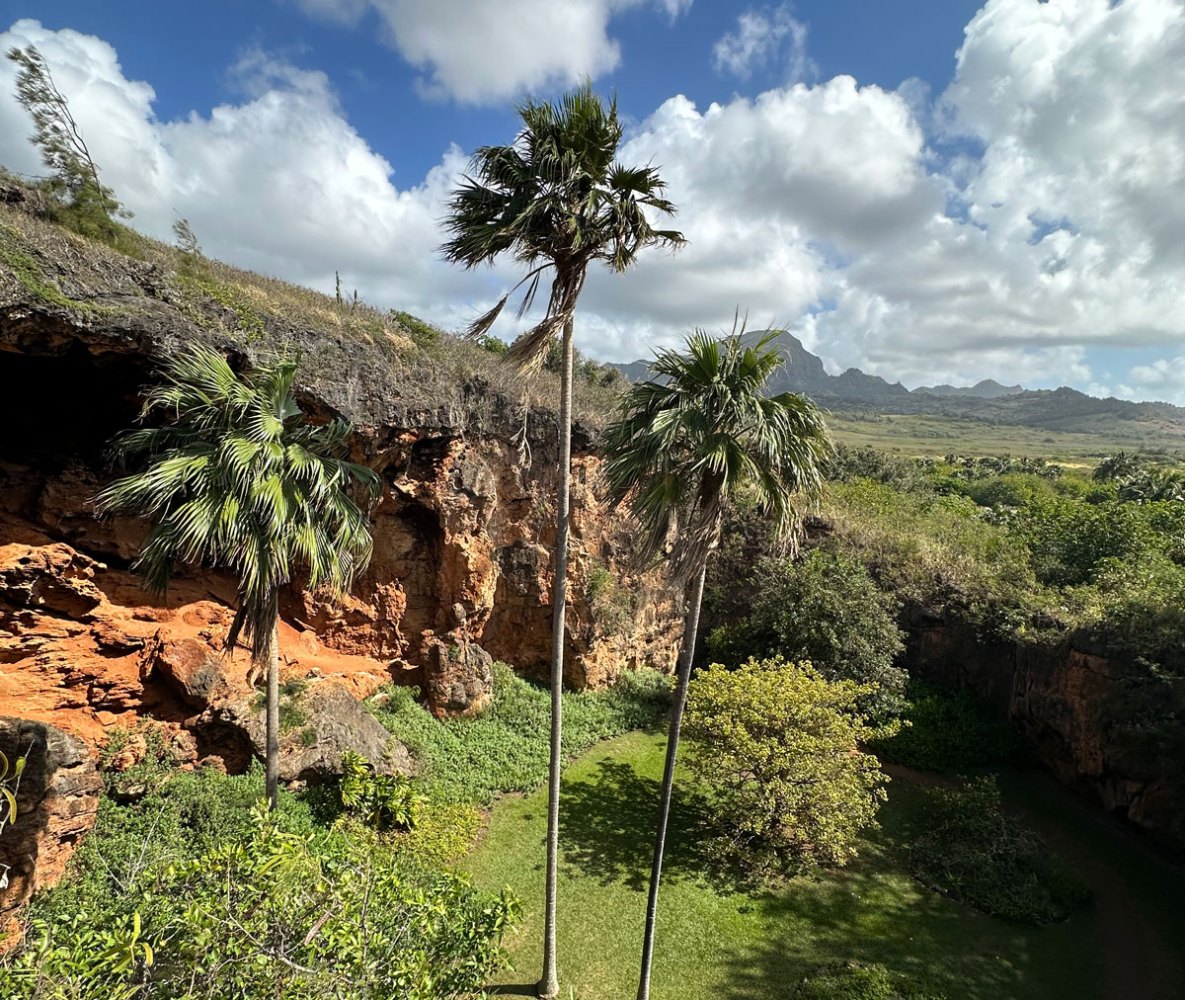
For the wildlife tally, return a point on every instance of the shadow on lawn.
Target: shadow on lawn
(857, 914)
(609, 823)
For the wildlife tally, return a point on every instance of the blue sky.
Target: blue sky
(876, 176)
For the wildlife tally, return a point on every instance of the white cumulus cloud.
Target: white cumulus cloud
(483, 53)
(1037, 215)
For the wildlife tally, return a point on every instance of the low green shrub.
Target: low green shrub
(970, 849)
(948, 731)
(506, 748)
(424, 335)
(381, 801)
(854, 981)
(1012, 489)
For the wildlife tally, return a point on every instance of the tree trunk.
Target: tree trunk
(686, 654)
(272, 762)
(549, 983)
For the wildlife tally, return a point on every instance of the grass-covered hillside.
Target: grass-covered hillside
(117, 289)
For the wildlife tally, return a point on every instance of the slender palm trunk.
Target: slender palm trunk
(272, 756)
(549, 983)
(686, 654)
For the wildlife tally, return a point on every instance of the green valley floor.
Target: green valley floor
(720, 942)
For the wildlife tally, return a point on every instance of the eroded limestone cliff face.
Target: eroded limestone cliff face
(461, 570)
(1078, 705)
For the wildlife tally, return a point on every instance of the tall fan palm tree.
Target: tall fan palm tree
(556, 200)
(236, 480)
(701, 431)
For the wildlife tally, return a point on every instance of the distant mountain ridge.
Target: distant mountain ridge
(1063, 409)
(988, 388)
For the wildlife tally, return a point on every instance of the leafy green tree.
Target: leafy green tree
(557, 201)
(701, 431)
(823, 608)
(235, 479)
(57, 135)
(776, 746)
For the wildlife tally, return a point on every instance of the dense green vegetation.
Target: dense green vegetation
(948, 731)
(823, 608)
(194, 891)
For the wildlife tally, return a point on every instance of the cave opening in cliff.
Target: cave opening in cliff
(66, 408)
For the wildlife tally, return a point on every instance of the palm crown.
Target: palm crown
(555, 198)
(703, 429)
(238, 481)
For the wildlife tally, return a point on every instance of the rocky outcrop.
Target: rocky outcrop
(461, 569)
(317, 725)
(57, 801)
(1080, 706)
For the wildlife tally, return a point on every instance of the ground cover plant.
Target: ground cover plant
(853, 981)
(505, 749)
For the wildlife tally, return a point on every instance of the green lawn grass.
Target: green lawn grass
(721, 942)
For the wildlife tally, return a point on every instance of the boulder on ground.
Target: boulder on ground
(317, 725)
(189, 666)
(458, 675)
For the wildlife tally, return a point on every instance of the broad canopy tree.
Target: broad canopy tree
(235, 479)
(557, 201)
(700, 431)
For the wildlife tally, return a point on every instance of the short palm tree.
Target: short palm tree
(557, 201)
(235, 479)
(699, 433)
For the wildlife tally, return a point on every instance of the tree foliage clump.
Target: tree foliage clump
(776, 747)
(277, 913)
(823, 608)
(971, 850)
(77, 197)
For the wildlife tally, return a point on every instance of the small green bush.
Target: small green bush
(853, 981)
(1013, 489)
(612, 605)
(948, 731)
(506, 748)
(969, 849)
(381, 801)
(424, 335)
